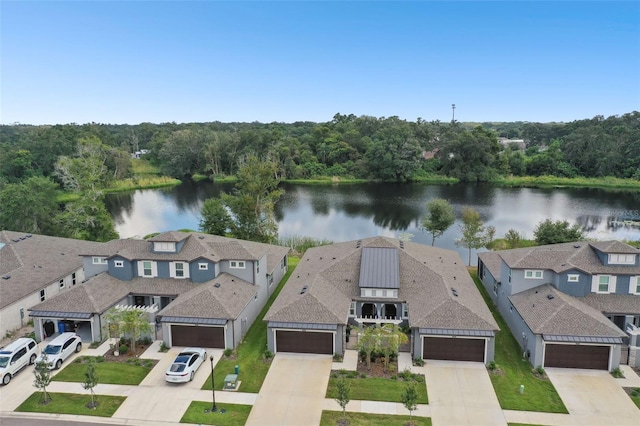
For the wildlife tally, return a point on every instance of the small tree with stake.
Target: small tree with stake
(344, 394)
(91, 381)
(42, 377)
(409, 398)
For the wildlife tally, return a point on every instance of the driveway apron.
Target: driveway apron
(460, 393)
(593, 397)
(293, 391)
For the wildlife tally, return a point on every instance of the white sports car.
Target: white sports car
(185, 365)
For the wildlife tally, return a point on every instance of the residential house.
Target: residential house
(35, 268)
(378, 281)
(201, 290)
(573, 305)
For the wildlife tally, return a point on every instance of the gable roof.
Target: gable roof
(35, 261)
(549, 311)
(331, 276)
(627, 304)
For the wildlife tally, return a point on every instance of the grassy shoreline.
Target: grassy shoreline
(560, 182)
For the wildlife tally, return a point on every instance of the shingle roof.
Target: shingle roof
(427, 274)
(561, 314)
(614, 247)
(37, 261)
(628, 304)
(492, 262)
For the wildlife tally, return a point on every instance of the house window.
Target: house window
(99, 260)
(533, 274)
(146, 269)
(405, 311)
(203, 266)
(118, 264)
(634, 285)
(164, 246)
(352, 309)
(495, 289)
(73, 279)
(509, 275)
(622, 259)
(603, 283)
(573, 278)
(43, 295)
(283, 263)
(237, 264)
(511, 308)
(257, 266)
(373, 293)
(61, 283)
(270, 279)
(179, 270)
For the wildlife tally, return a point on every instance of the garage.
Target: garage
(305, 342)
(453, 349)
(204, 337)
(577, 356)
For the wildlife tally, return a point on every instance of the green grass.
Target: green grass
(329, 418)
(249, 354)
(140, 166)
(539, 395)
(579, 182)
(71, 403)
(115, 373)
(377, 389)
(140, 182)
(636, 400)
(236, 414)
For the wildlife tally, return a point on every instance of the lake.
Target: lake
(353, 211)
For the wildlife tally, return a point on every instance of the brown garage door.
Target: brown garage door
(453, 349)
(206, 337)
(305, 342)
(577, 356)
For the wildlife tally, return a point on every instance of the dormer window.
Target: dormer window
(622, 259)
(164, 246)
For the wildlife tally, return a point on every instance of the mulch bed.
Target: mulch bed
(140, 349)
(377, 369)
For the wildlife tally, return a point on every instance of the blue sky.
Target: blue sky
(159, 61)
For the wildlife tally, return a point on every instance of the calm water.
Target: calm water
(349, 212)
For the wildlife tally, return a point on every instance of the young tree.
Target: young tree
(391, 337)
(344, 394)
(91, 381)
(513, 238)
(131, 322)
(368, 342)
(409, 397)
(438, 218)
(474, 234)
(42, 377)
(215, 219)
(561, 231)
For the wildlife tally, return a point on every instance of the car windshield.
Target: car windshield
(52, 350)
(177, 368)
(4, 360)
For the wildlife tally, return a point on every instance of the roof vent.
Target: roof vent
(358, 243)
(28, 235)
(304, 290)
(23, 238)
(402, 244)
(6, 277)
(576, 246)
(217, 285)
(16, 240)
(201, 237)
(550, 296)
(454, 291)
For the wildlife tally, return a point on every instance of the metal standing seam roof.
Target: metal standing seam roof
(582, 339)
(54, 314)
(379, 268)
(449, 332)
(188, 320)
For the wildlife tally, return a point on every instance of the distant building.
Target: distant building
(506, 142)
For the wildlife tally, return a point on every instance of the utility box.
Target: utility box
(237, 370)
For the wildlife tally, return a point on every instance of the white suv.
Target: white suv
(61, 348)
(15, 356)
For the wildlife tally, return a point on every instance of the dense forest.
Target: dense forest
(365, 147)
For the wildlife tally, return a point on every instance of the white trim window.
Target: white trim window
(573, 278)
(118, 263)
(147, 268)
(405, 311)
(495, 288)
(163, 246)
(237, 264)
(622, 259)
(203, 266)
(61, 283)
(96, 260)
(603, 284)
(179, 270)
(352, 310)
(533, 274)
(634, 285)
(73, 279)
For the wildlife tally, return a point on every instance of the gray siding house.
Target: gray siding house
(382, 280)
(199, 289)
(573, 305)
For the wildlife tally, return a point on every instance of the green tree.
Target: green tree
(390, 337)
(513, 238)
(132, 323)
(395, 153)
(253, 201)
(30, 206)
(42, 377)
(87, 219)
(561, 231)
(368, 343)
(438, 219)
(214, 218)
(409, 397)
(474, 233)
(470, 156)
(91, 381)
(343, 394)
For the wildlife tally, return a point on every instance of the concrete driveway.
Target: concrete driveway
(593, 397)
(293, 391)
(460, 393)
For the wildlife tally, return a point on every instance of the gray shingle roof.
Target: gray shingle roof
(492, 262)
(562, 314)
(628, 304)
(427, 274)
(35, 262)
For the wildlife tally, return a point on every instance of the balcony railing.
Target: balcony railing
(378, 320)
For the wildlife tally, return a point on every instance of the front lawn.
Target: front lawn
(114, 373)
(72, 403)
(249, 354)
(330, 418)
(377, 389)
(235, 414)
(539, 394)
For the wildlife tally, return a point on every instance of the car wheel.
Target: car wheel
(32, 359)
(191, 377)
(79, 347)
(58, 364)
(6, 379)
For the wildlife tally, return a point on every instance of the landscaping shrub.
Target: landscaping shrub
(492, 365)
(617, 373)
(123, 349)
(228, 352)
(418, 362)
